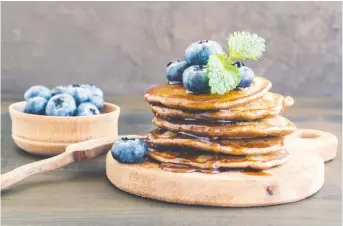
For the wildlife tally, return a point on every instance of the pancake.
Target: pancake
(165, 138)
(276, 126)
(269, 105)
(176, 96)
(207, 161)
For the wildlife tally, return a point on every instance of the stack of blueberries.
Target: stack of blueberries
(192, 71)
(71, 100)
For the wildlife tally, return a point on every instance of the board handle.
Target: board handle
(314, 141)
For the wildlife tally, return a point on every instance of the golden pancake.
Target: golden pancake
(276, 126)
(208, 161)
(176, 96)
(269, 105)
(253, 146)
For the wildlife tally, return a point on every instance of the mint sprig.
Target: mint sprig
(244, 45)
(223, 75)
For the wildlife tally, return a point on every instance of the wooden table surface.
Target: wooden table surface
(80, 194)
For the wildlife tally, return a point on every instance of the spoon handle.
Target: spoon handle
(30, 169)
(82, 151)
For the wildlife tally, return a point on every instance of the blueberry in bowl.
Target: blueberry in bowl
(79, 94)
(37, 91)
(61, 105)
(36, 105)
(58, 90)
(98, 101)
(129, 150)
(94, 91)
(87, 109)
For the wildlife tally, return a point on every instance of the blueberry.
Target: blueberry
(87, 109)
(61, 105)
(247, 77)
(37, 91)
(80, 94)
(95, 91)
(195, 79)
(129, 150)
(199, 52)
(98, 101)
(238, 64)
(175, 70)
(85, 86)
(58, 90)
(36, 105)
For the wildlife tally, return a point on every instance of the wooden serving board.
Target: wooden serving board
(314, 141)
(298, 179)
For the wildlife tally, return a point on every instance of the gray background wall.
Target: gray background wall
(123, 47)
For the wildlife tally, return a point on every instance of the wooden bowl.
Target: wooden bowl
(50, 135)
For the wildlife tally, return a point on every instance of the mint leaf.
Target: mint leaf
(244, 45)
(223, 76)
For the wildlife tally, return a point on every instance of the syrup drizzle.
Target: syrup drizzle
(176, 96)
(180, 168)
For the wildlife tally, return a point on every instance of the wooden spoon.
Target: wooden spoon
(78, 152)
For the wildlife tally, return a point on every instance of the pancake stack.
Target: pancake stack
(241, 129)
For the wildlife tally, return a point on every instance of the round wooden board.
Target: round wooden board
(298, 179)
(314, 141)
(301, 177)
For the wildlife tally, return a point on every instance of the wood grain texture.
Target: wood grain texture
(80, 194)
(47, 135)
(314, 141)
(78, 152)
(20, 173)
(291, 182)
